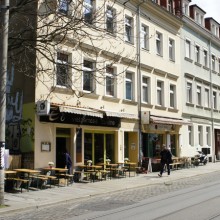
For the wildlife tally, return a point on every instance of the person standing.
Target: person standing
(68, 162)
(166, 159)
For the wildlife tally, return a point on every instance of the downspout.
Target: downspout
(139, 79)
(211, 91)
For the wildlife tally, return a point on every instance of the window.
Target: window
(189, 92)
(128, 29)
(88, 11)
(197, 48)
(159, 93)
(128, 86)
(185, 8)
(62, 76)
(159, 43)
(171, 49)
(172, 96)
(188, 49)
(110, 19)
(110, 81)
(145, 89)
(200, 136)
(169, 6)
(205, 55)
(214, 100)
(190, 135)
(213, 62)
(206, 97)
(63, 6)
(144, 37)
(219, 65)
(208, 136)
(88, 76)
(199, 96)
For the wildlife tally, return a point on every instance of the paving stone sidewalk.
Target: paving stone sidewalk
(77, 191)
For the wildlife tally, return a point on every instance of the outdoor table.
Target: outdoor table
(129, 166)
(111, 165)
(9, 179)
(58, 170)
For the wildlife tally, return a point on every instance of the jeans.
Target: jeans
(162, 168)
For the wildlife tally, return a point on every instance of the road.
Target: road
(190, 198)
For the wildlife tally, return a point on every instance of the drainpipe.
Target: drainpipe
(211, 91)
(139, 79)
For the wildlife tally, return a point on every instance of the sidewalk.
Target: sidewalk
(77, 191)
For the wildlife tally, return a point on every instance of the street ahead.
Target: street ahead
(189, 198)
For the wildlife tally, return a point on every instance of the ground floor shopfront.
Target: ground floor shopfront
(85, 138)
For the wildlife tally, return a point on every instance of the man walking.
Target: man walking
(166, 159)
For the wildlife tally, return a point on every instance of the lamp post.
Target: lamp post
(4, 15)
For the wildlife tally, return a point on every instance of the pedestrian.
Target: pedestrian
(68, 161)
(166, 159)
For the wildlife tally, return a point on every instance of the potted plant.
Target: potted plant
(126, 160)
(89, 162)
(108, 161)
(51, 164)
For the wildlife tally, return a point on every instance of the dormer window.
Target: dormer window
(185, 8)
(215, 30)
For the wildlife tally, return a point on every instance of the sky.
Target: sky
(211, 7)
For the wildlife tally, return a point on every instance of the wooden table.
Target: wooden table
(59, 171)
(111, 166)
(129, 166)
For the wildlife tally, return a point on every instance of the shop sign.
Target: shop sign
(161, 127)
(70, 118)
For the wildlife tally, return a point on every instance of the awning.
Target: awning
(81, 111)
(121, 115)
(168, 121)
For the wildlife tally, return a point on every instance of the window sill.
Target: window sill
(160, 107)
(147, 105)
(173, 110)
(199, 106)
(213, 71)
(62, 89)
(131, 102)
(198, 64)
(129, 42)
(89, 95)
(206, 68)
(110, 98)
(207, 108)
(188, 59)
(189, 104)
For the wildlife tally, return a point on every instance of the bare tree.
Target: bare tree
(40, 29)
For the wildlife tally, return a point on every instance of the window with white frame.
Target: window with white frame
(208, 136)
(172, 96)
(88, 11)
(190, 135)
(171, 49)
(169, 5)
(185, 8)
(159, 43)
(200, 135)
(145, 89)
(160, 93)
(205, 56)
(63, 6)
(219, 64)
(206, 97)
(88, 75)
(144, 37)
(128, 29)
(189, 92)
(214, 97)
(110, 81)
(213, 62)
(129, 86)
(110, 19)
(62, 66)
(197, 51)
(188, 49)
(198, 95)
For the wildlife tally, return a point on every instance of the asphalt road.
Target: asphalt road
(134, 200)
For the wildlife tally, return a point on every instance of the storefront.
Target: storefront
(87, 135)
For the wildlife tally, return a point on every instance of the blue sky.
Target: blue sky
(211, 7)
